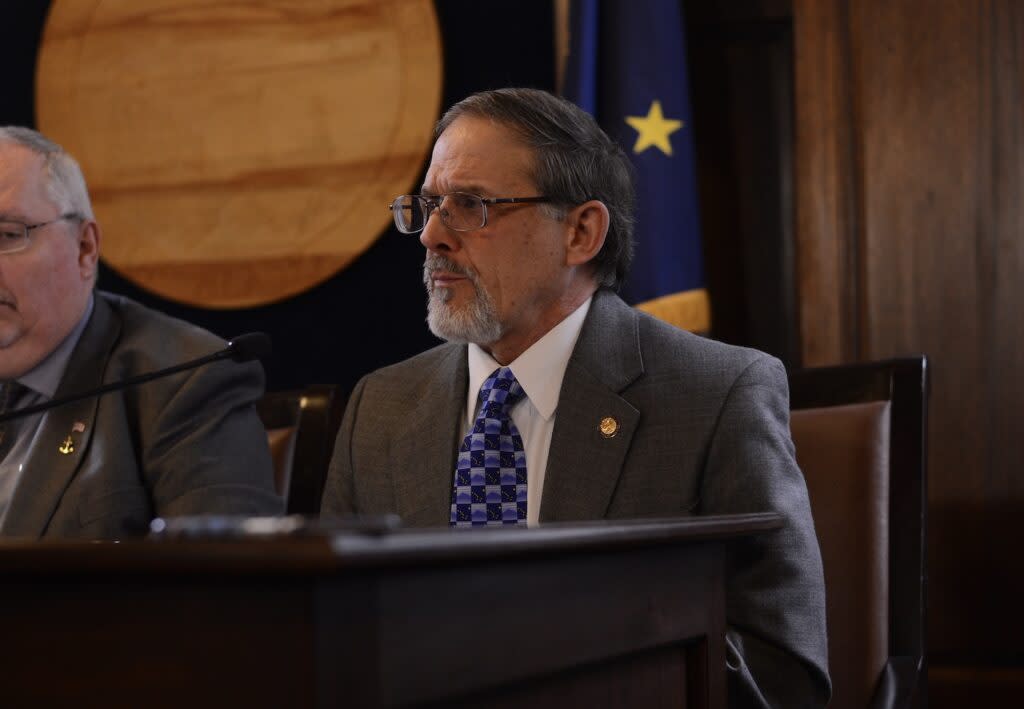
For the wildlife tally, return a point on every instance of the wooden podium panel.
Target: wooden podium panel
(602, 614)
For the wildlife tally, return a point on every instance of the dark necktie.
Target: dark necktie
(9, 391)
(490, 477)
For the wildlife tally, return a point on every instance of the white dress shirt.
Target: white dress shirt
(539, 370)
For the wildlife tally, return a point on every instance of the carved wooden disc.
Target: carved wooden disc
(240, 153)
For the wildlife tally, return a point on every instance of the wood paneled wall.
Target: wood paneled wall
(741, 84)
(910, 238)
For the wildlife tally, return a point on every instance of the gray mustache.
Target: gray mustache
(439, 263)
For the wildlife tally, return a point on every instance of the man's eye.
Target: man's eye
(463, 201)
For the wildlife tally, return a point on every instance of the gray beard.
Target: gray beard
(477, 322)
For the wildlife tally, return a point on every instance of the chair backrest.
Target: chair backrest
(860, 435)
(282, 452)
(301, 427)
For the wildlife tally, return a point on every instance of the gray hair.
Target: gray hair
(574, 161)
(64, 180)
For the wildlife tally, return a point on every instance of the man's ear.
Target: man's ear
(588, 224)
(88, 249)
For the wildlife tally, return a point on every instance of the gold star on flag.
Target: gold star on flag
(653, 129)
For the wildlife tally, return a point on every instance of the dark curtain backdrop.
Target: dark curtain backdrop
(372, 313)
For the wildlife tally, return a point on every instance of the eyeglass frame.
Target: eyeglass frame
(27, 229)
(432, 203)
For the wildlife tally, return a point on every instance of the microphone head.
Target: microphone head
(250, 346)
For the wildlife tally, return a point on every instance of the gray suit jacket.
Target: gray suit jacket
(187, 444)
(703, 429)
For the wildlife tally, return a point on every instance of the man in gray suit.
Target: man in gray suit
(525, 214)
(102, 468)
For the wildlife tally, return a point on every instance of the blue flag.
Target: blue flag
(627, 68)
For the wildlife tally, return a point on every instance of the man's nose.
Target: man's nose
(436, 236)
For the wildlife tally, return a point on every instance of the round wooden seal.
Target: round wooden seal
(238, 154)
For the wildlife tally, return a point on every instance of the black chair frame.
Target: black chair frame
(316, 414)
(904, 383)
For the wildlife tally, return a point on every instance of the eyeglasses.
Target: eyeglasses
(14, 236)
(460, 211)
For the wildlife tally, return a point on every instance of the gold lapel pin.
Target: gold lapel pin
(68, 446)
(609, 427)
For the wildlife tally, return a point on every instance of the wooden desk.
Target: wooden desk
(602, 614)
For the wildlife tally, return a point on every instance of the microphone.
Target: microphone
(250, 346)
(244, 348)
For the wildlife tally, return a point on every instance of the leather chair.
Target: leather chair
(860, 433)
(301, 427)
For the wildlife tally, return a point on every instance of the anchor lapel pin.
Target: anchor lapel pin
(68, 446)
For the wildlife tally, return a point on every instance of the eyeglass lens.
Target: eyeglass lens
(409, 213)
(13, 237)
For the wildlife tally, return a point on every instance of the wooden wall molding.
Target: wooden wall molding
(827, 218)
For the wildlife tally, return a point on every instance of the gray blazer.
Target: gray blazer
(187, 444)
(703, 429)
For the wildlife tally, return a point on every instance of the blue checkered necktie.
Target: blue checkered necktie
(490, 477)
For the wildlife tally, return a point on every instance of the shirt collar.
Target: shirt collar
(45, 377)
(539, 370)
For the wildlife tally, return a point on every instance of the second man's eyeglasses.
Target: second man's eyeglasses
(460, 211)
(14, 236)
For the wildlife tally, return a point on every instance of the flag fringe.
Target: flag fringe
(689, 310)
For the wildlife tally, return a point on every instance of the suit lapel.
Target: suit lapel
(584, 463)
(54, 459)
(423, 489)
